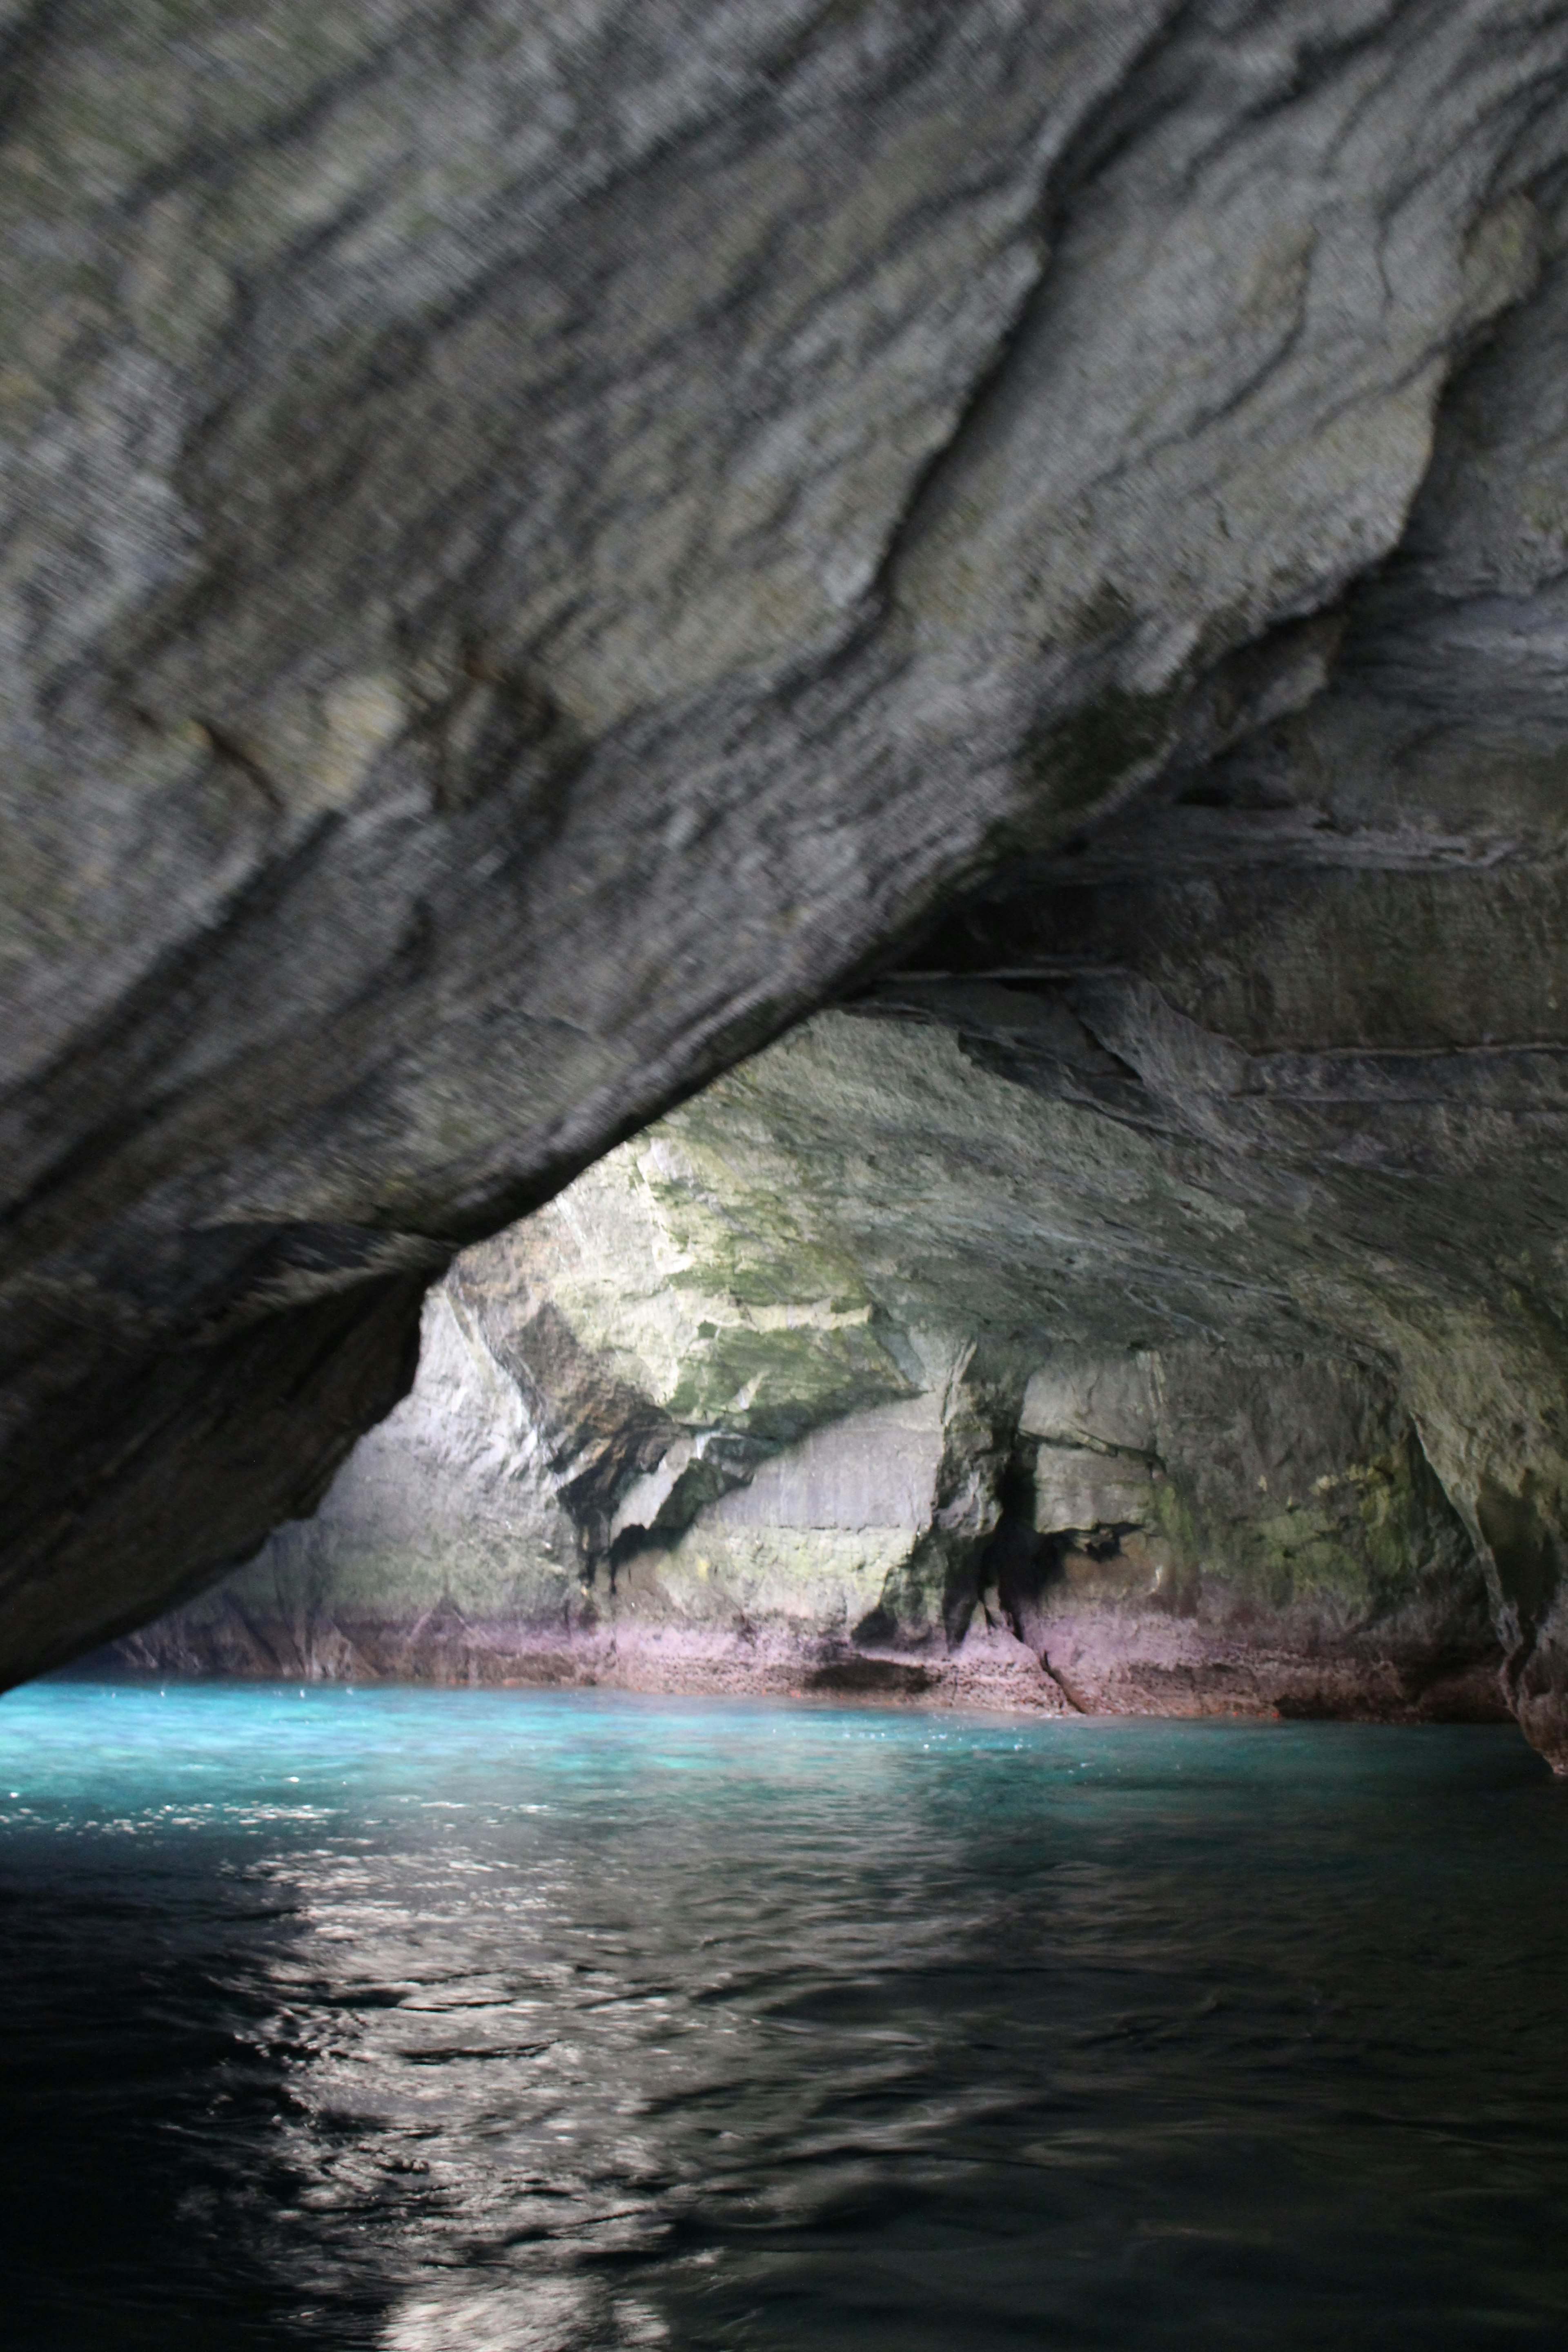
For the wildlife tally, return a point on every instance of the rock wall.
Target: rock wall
(715, 1420)
(545, 544)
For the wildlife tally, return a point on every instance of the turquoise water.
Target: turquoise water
(465, 2022)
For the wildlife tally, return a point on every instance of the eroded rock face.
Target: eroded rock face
(544, 543)
(809, 1390)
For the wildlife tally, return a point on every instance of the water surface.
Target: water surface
(465, 2021)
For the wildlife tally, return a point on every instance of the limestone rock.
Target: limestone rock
(545, 545)
(998, 1472)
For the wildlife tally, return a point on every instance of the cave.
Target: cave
(785, 1071)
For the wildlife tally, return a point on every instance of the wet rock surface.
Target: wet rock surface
(546, 545)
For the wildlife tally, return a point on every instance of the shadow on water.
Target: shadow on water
(549, 2023)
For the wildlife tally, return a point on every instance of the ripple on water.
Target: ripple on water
(549, 2023)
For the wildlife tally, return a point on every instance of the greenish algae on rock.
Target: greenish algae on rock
(834, 1381)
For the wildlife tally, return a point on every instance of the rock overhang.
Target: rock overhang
(488, 659)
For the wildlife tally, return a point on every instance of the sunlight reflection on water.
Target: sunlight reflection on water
(560, 2023)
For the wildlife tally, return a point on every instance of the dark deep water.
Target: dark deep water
(452, 2022)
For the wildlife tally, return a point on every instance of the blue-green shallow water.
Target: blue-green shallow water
(507, 2022)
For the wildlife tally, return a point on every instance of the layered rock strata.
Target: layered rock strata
(542, 545)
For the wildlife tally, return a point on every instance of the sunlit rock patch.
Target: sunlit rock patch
(735, 1414)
